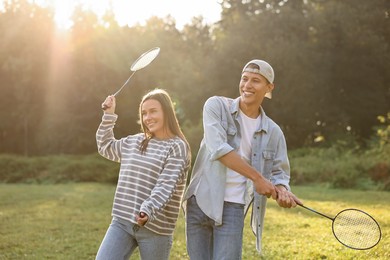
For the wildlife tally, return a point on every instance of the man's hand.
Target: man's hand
(265, 187)
(285, 198)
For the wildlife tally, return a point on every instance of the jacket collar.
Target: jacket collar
(264, 124)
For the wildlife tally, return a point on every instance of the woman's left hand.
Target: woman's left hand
(142, 218)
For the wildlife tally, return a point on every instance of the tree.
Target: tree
(26, 35)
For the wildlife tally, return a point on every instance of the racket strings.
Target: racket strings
(356, 229)
(145, 59)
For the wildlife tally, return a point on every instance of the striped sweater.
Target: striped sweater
(152, 182)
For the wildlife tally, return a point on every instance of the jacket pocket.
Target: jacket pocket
(231, 132)
(268, 157)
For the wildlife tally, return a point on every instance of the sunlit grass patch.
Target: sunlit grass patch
(301, 234)
(68, 221)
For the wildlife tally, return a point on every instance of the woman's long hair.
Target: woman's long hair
(170, 119)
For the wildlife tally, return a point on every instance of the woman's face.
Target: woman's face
(153, 118)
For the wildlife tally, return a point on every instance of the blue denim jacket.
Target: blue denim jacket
(221, 136)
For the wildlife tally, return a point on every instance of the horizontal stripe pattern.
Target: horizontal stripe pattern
(152, 182)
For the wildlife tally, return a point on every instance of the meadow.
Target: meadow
(68, 221)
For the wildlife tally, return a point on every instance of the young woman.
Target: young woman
(152, 178)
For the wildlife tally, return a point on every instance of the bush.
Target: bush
(344, 163)
(57, 169)
(340, 163)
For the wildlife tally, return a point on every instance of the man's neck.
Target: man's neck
(250, 111)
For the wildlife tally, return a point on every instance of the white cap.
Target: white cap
(264, 69)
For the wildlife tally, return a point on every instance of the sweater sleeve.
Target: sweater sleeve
(107, 145)
(171, 180)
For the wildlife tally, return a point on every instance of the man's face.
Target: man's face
(253, 88)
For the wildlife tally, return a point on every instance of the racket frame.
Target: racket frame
(333, 219)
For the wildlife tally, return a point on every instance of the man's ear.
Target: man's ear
(271, 87)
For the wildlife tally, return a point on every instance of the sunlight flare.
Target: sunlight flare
(133, 12)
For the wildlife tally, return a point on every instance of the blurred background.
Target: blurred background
(59, 59)
(331, 61)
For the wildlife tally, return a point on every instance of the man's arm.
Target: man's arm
(233, 161)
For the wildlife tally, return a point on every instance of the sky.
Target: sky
(138, 11)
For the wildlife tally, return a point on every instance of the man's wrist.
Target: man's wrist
(257, 177)
(281, 186)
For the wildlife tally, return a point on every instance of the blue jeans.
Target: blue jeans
(206, 241)
(123, 237)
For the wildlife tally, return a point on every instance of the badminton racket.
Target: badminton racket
(354, 228)
(144, 60)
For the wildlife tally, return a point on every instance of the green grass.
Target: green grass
(68, 221)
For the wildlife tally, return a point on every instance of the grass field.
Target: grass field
(68, 221)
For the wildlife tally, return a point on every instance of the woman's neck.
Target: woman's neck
(164, 135)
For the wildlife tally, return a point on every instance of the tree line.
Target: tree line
(331, 60)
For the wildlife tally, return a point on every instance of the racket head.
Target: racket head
(145, 59)
(356, 229)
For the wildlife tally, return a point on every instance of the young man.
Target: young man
(242, 159)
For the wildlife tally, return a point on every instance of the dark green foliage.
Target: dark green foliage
(330, 57)
(342, 167)
(337, 166)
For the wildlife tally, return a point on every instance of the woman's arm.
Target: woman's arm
(107, 145)
(171, 182)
